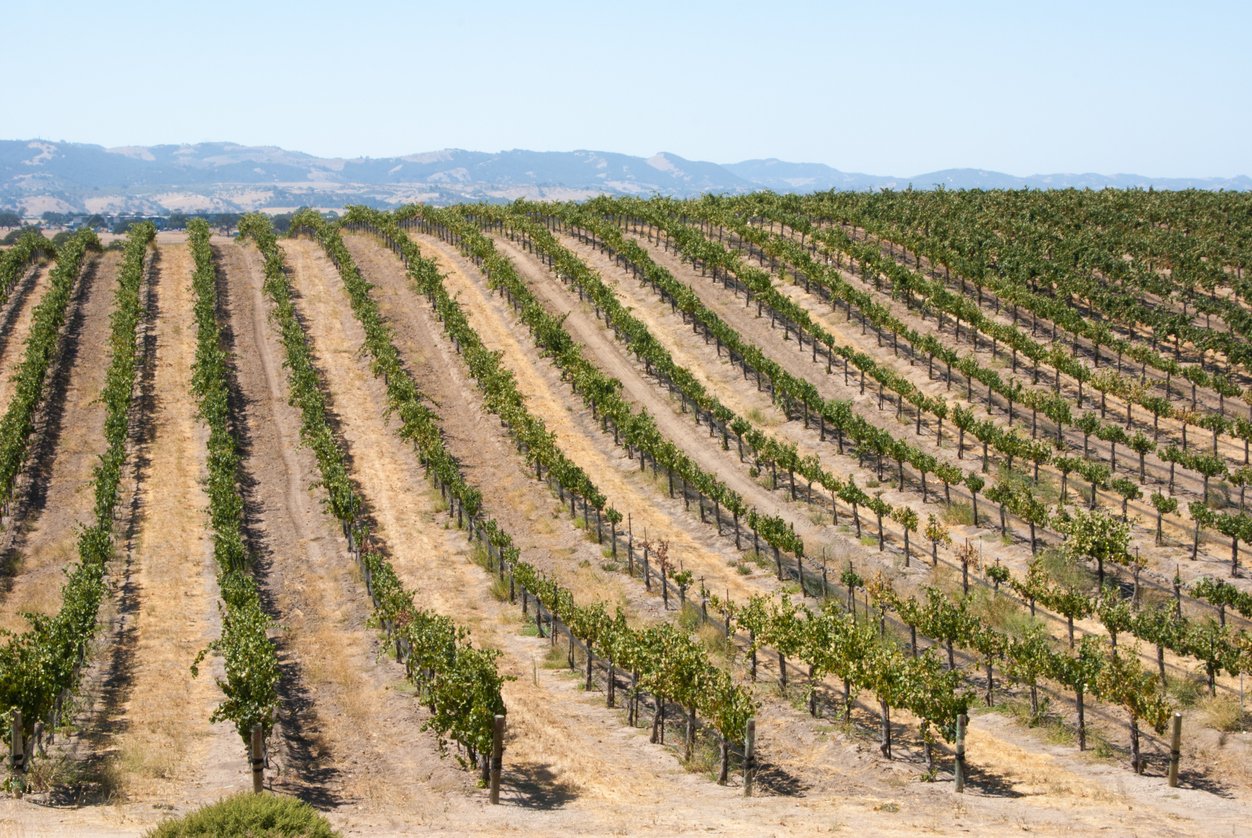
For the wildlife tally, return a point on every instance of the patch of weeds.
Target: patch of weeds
(556, 657)
(689, 618)
(1047, 489)
(1098, 745)
(757, 416)
(610, 567)
(1065, 571)
(1224, 714)
(743, 568)
(585, 563)
(499, 588)
(705, 758)
(1057, 732)
(58, 771)
(250, 814)
(758, 559)
(404, 688)
(996, 610)
(959, 514)
(1014, 620)
(715, 641)
(480, 556)
(1018, 709)
(1187, 690)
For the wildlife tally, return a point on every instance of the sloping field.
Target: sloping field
(888, 513)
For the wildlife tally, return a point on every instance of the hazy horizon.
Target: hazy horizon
(1151, 89)
(423, 152)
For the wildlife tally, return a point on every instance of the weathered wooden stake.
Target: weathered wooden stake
(1175, 750)
(749, 757)
(17, 749)
(257, 758)
(959, 767)
(497, 757)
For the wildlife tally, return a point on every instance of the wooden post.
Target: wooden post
(959, 767)
(1175, 750)
(497, 757)
(17, 752)
(749, 756)
(257, 758)
(630, 544)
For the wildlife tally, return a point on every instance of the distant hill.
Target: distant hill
(37, 176)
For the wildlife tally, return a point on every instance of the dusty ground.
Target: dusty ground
(54, 496)
(159, 758)
(1214, 553)
(15, 322)
(349, 737)
(1161, 562)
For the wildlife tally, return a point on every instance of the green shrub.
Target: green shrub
(252, 815)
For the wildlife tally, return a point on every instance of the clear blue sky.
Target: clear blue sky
(1161, 89)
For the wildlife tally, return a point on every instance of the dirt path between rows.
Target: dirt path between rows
(352, 740)
(1161, 561)
(580, 437)
(566, 757)
(759, 331)
(727, 384)
(59, 470)
(893, 251)
(1062, 771)
(571, 767)
(169, 758)
(15, 322)
(1187, 483)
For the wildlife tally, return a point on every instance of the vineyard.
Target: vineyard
(894, 511)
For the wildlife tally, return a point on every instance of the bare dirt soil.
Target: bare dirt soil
(55, 493)
(15, 319)
(349, 738)
(165, 753)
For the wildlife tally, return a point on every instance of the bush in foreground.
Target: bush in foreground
(253, 815)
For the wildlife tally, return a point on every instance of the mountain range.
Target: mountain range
(38, 176)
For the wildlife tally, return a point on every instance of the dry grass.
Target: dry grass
(177, 611)
(959, 514)
(1223, 713)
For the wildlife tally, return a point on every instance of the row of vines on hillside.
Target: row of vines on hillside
(663, 661)
(40, 668)
(458, 682)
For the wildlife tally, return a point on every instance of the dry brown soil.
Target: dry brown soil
(349, 738)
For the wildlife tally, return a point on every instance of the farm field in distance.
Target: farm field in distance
(880, 512)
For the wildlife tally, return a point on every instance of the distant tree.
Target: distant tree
(14, 235)
(282, 222)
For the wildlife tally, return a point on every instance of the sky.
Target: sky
(891, 88)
